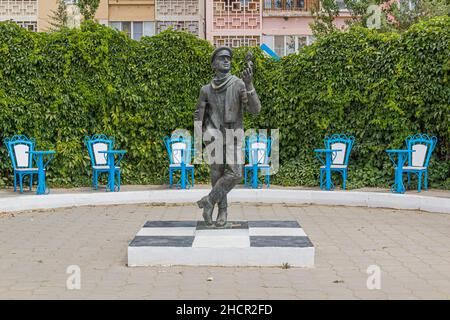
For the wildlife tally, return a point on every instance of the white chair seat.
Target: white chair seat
(179, 165)
(259, 165)
(336, 166)
(103, 167)
(413, 168)
(27, 169)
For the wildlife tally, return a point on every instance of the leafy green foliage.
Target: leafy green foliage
(59, 18)
(59, 87)
(400, 16)
(88, 8)
(395, 16)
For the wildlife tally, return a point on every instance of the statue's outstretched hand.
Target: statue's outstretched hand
(247, 76)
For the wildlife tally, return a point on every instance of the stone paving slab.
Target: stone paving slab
(411, 248)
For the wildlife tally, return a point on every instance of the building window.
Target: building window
(115, 25)
(341, 5)
(188, 26)
(285, 4)
(284, 45)
(134, 29)
(30, 25)
(138, 30)
(149, 28)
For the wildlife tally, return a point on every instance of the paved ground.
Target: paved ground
(412, 249)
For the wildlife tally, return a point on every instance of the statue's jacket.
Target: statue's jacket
(222, 106)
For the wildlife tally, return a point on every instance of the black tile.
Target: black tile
(280, 241)
(162, 241)
(230, 225)
(170, 224)
(273, 224)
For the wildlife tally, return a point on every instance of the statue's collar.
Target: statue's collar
(222, 82)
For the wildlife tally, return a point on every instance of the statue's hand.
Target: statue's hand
(247, 76)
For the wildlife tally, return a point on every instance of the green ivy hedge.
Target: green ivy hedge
(61, 86)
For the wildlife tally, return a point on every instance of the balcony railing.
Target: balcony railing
(274, 6)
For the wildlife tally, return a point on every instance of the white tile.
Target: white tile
(276, 232)
(182, 231)
(222, 233)
(238, 238)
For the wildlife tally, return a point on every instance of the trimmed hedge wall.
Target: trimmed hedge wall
(379, 87)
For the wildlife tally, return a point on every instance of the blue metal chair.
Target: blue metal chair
(257, 151)
(418, 161)
(339, 161)
(19, 150)
(180, 156)
(97, 145)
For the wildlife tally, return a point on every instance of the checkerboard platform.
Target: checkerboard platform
(239, 243)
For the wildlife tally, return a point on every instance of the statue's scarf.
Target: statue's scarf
(225, 83)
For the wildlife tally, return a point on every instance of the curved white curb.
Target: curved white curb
(345, 198)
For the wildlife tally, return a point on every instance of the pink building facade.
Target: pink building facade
(283, 25)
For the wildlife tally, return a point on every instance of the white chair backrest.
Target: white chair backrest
(262, 148)
(22, 156)
(176, 152)
(100, 158)
(340, 155)
(418, 157)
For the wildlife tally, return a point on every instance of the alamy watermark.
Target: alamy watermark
(73, 282)
(227, 146)
(374, 18)
(374, 280)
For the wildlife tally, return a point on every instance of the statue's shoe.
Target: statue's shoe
(221, 217)
(208, 208)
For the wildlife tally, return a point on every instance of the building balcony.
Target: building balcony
(288, 8)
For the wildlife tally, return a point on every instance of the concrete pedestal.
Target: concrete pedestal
(239, 243)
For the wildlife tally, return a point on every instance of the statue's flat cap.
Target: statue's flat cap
(220, 51)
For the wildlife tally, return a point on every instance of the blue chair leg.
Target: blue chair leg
(118, 180)
(192, 177)
(268, 178)
(95, 178)
(31, 182)
(245, 176)
(20, 182)
(344, 179)
(15, 182)
(321, 179)
(425, 181)
(419, 183)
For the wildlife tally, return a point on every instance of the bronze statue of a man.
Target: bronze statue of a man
(220, 108)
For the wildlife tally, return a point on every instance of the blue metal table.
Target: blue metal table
(398, 186)
(112, 167)
(328, 160)
(42, 187)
